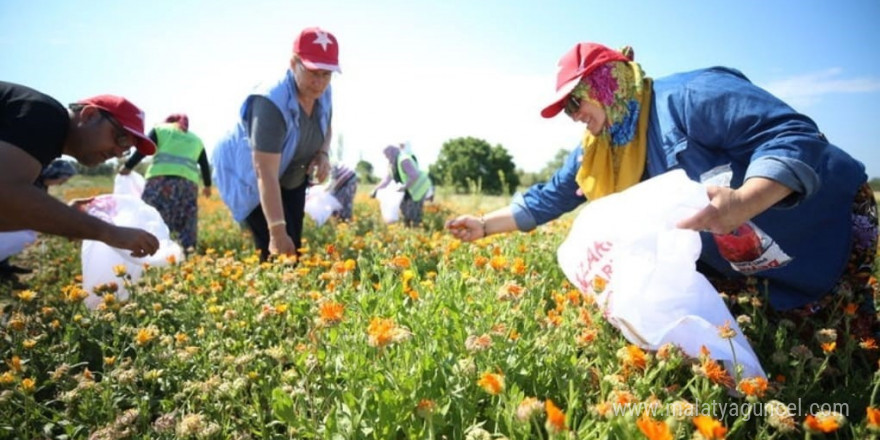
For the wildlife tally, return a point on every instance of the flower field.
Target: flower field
(392, 333)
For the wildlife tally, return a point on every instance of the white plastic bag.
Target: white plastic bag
(626, 251)
(320, 204)
(131, 184)
(13, 242)
(389, 202)
(99, 259)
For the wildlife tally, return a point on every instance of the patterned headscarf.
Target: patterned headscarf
(615, 158)
(181, 119)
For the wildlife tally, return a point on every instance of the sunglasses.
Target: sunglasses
(122, 136)
(572, 105)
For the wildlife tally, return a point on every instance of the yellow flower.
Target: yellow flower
(145, 335)
(109, 360)
(400, 262)
(382, 332)
(27, 295)
(29, 343)
(828, 347)
(632, 357)
(120, 270)
(709, 428)
(181, 338)
(17, 322)
(491, 383)
(498, 262)
(28, 385)
(15, 364)
(7, 378)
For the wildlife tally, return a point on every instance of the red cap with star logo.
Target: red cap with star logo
(317, 49)
(127, 114)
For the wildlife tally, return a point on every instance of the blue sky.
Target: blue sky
(428, 71)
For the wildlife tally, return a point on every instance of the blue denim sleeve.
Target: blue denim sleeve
(798, 176)
(544, 202)
(723, 110)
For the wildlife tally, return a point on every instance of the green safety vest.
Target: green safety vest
(177, 153)
(423, 183)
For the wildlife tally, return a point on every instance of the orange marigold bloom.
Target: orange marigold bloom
(480, 261)
(599, 284)
(555, 418)
(824, 423)
(632, 357)
(518, 267)
(709, 428)
(829, 347)
(714, 372)
(654, 429)
(498, 262)
(425, 408)
(491, 383)
(330, 312)
(850, 309)
(401, 262)
(873, 418)
(868, 344)
(754, 386)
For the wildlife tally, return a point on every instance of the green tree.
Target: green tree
(364, 171)
(875, 183)
(466, 163)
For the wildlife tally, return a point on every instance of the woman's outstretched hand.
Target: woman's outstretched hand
(466, 228)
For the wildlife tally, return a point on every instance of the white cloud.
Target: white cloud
(802, 91)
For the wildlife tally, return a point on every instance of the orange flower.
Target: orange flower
(555, 418)
(491, 383)
(425, 408)
(330, 312)
(382, 332)
(632, 357)
(873, 418)
(480, 261)
(725, 332)
(599, 284)
(868, 344)
(829, 347)
(654, 429)
(518, 267)
(709, 428)
(400, 262)
(714, 372)
(850, 309)
(824, 423)
(754, 386)
(498, 262)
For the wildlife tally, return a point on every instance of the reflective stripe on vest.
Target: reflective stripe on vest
(177, 154)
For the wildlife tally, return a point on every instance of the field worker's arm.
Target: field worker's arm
(470, 228)
(27, 207)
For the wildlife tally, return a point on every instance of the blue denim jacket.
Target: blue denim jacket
(713, 117)
(232, 162)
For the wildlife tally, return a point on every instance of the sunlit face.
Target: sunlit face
(102, 138)
(311, 83)
(586, 111)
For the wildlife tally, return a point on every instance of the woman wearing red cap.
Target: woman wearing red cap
(173, 177)
(262, 167)
(35, 129)
(785, 177)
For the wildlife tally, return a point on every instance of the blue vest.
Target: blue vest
(232, 159)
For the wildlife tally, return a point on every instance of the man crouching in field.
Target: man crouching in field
(34, 130)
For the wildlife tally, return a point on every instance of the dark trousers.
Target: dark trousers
(293, 203)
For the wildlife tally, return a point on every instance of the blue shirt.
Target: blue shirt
(714, 117)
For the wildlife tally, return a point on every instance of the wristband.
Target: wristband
(276, 223)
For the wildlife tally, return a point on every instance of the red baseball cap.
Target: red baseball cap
(577, 63)
(317, 49)
(128, 115)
